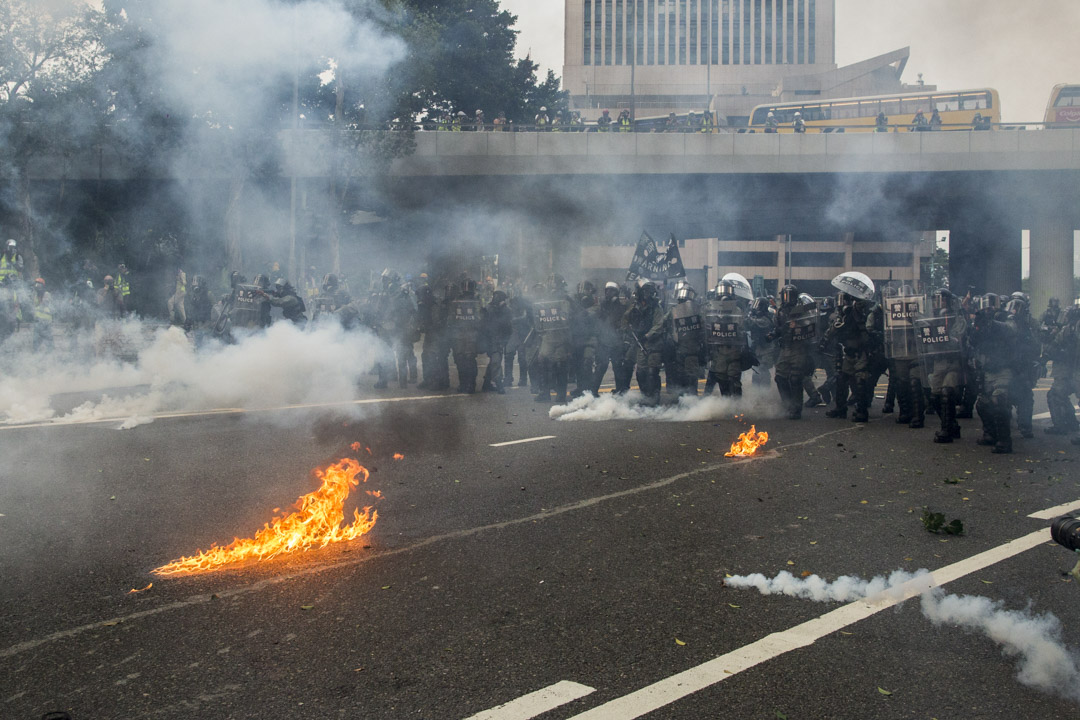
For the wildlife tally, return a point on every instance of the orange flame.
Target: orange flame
(748, 443)
(133, 591)
(356, 446)
(399, 456)
(316, 523)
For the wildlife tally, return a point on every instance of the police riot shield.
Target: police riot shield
(938, 338)
(726, 328)
(901, 312)
(686, 318)
(464, 316)
(805, 320)
(551, 315)
(250, 308)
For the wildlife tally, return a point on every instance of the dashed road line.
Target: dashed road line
(526, 440)
(1051, 513)
(537, 703)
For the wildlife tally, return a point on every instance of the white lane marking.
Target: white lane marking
(1051, 513)
(526, 440)
(223, 411)
(536, 703)
(678, 686)
(1041, 416)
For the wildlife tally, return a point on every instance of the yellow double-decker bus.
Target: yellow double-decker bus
(959, 110)
(1063, 110)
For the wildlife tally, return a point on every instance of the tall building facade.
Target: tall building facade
(660, 56)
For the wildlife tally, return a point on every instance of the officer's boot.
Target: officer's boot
(988, 415)
(1003, 415)
(785, 392)
(826, 390)
(508, 370)
(892, 395)
(918, 405)
(840, 409)
(903, 398)
(813, 397)
(862, 401)
(710, 383)
(560, 376)
(944, 433)
(969, 395)
(796, 389)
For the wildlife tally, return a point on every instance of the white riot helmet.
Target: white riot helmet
(685, 293)
(855, 284)
(743, 290)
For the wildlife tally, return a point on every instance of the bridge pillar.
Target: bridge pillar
(1051, 261)
(986, 256)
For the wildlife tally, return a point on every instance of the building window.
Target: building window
(639, 30)
(817, 259)
(812, 32)
(671, 32)
(587, 45)
(768, 32)
(609, 27)
(725, 33)
(693, 32)
(863, 259)
(802, 32)
(790, 56)
(714, 33)
(661, 33)
(746, 259)
(619, 44)
(683, 21)
(747, 31)
(651, 35)
(736, 36)
(757, 32)
(598, 19)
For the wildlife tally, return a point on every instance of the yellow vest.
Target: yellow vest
(123, 285)
(42, 309)
(7, 267)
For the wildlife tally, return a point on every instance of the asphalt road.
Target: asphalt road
(589, 566)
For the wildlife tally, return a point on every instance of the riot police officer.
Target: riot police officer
(496, 327)
(1064, 351)
(761, 322)
(796, 331)
(645, 322)
(726, 337)
(941, 341)
(283, 295)
(464, 325)
(684, 319)
(431, 321)
(552, 322)
(993, 338)
(611, 341)
(1026, 365)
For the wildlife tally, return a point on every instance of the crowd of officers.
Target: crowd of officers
(945, 355)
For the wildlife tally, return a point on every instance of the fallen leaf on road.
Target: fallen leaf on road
(679, 642)
(884, 691)
(737, 607)
(307, 607)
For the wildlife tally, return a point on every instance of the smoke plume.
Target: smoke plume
(758, 403)
(1043, 661)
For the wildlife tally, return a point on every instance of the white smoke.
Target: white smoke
(159, 370)
(1045, 663)
(756, 402)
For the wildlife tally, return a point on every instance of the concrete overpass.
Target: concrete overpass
(984, 187)
(584, 188)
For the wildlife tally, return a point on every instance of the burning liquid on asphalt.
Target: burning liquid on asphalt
(317, 522)
(748, 443)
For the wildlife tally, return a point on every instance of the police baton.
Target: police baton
(642, 347)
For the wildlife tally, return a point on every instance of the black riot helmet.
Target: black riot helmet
(330, 282)
(1017, 308)
(760, 306)
(789, 295)
(468, 287)
(262, 282)
(281, 286)
(725, 289)
(844, 300)
(942, 300)
(685, 294)
(989, 303)
(498, 298)
(558, 283)
(645, 293)
(1054, 304)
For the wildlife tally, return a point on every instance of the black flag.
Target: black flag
(652, 263)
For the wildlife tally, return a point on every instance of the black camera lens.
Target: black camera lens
(1066, 532)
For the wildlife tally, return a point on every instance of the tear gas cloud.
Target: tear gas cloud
(1034, 640)
(759, 403)
(131, 371)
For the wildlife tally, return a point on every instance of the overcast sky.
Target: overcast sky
(1021, 49)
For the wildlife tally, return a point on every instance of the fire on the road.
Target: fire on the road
(315, 523)
(748, 443)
